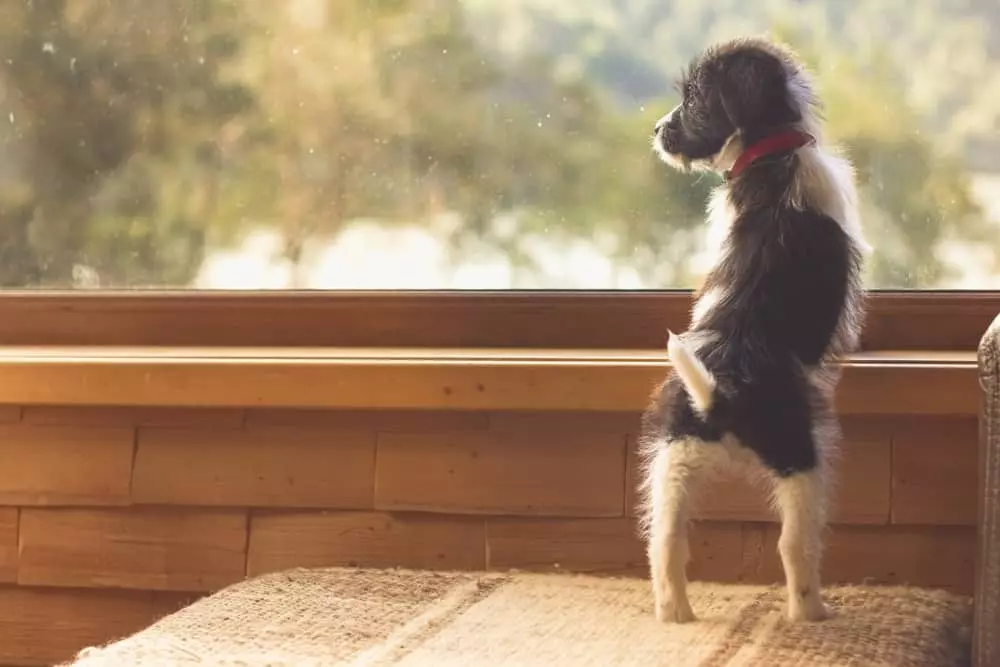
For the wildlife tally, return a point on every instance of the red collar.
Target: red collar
(776, 143)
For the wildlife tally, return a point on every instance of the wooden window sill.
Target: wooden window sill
(883, 382)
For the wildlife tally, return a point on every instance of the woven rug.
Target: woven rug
(326, 617)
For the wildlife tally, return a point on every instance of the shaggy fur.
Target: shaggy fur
(754, 376)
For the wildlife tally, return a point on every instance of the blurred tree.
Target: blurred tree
(903, 83)
(915, 194)
(369, 110)
(316, 151)
(110, 128)
(413, 121)
(137, 135)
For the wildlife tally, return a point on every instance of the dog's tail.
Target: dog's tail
(697, 380)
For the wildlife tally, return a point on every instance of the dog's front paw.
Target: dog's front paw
(672, 611)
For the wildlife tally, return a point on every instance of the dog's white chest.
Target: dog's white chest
(721, 215)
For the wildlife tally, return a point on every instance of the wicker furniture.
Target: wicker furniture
(986, 638)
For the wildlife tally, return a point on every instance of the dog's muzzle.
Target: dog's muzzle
(667, 128)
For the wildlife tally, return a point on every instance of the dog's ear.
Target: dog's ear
(755, 93)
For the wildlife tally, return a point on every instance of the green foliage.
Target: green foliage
(910, 120)
(915, 195)
(111, 118)
(138, 136)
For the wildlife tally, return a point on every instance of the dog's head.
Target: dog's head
(732, 95)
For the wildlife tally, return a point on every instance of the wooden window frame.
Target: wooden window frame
(924, 320)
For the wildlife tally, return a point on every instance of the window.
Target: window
(456, 144)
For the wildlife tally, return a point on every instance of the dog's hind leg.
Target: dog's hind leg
(672, 474)
(801, 500)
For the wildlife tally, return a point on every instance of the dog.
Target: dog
(753, 378)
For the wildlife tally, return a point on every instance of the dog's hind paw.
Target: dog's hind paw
(811, 611)
(672, 612)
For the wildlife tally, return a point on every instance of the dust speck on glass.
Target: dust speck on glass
(458, 144)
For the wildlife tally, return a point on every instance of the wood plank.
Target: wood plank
(925, 556)
(574, 545)
(609, 319)
(8, 544)
(937, 557)
(863, 474)
(422, 379)
(935, 471)
(572, 473)
(605, 546)
(366, 539)
(550, 423)
(860, 495)
(49, 626)
(490, 355)
(62, 415)
(633, 474)
(168, 602)
(261, 467)
(436, 421)
(50, 465)
(407, 421)
(149, 549)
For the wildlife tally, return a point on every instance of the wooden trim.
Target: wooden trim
(603, 381)
(607, 320)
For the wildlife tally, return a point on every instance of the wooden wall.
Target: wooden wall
(110, 518)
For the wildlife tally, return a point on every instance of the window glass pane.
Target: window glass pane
(458, 144)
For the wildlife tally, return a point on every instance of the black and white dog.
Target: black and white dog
(754, 376)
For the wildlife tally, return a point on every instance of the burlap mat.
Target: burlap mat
(313, 618)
